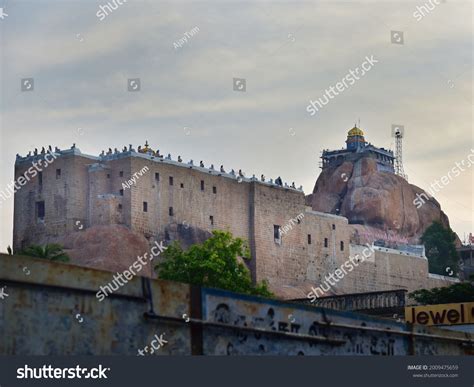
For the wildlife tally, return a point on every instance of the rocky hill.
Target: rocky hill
(373, 199)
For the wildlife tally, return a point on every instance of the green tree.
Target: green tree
(53, 252)
(440, 249)
(211, 264)
(462, 292)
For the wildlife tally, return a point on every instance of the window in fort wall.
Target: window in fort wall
(145, 206)
(202, 185)
(170, 211)
(40, 179)
(40, 211)
(211, 218)
(325, 242)
(121, 192)
(309, 239)
(157, 176)
(171, 180)
(277, 234)
(342, 246)
(214, 190)
(121, 173)
(58, 173)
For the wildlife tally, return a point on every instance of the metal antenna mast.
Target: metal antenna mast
(398, 154)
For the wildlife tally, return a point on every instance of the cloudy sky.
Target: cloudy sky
(288, 53)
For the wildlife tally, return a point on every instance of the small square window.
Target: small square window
(202, 185)
(182, 185)
(121, 173)
(211, 218)
(157, 176)
(58, 173)
(214, 190)
(171, 180)
(145, 207)
(309, 239)
(170, 211)
(121, 192)
(325, 242)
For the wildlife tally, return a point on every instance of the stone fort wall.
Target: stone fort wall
(174, 200)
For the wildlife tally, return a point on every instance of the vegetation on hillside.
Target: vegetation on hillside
(440, 249)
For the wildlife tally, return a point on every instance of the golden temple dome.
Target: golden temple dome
(355, 131)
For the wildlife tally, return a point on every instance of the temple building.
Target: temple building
(356, 148)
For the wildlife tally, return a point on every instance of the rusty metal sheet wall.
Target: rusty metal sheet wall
(333, 332)
(53, 310)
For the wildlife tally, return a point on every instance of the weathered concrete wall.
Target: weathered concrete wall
(51, 309)
(387, 269)
(39, 315)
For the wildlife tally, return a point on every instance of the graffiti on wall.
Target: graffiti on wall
(275, 319)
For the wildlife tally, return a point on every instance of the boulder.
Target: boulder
(374, 199)
(113, 248)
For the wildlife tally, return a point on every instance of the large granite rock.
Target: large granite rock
(375, 200)
(113, 248)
